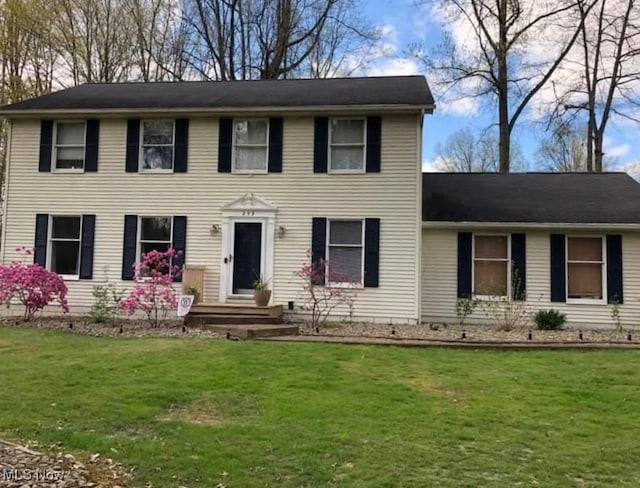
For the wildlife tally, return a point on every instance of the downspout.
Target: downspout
(5, 203)
(418, 277)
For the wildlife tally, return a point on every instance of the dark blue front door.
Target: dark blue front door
(246, 256)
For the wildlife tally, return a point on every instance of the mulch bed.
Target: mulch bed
(470, 333)
(33, 466)
(351, 332)
(122, 328)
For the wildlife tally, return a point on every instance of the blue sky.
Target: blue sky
(404, 23)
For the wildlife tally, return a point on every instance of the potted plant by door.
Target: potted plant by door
(261, 292)
(193, 290)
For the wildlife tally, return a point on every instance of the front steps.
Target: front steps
(240, 320)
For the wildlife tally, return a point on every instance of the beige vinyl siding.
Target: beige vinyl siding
(439, 279)
(297, 192)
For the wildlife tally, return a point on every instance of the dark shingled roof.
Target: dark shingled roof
(612, 198)
(410, 91)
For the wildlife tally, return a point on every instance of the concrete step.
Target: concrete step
(252, 331)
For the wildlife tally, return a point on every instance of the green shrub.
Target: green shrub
(550, 319)
(106, 300)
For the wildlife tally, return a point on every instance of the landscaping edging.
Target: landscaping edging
(379, 341)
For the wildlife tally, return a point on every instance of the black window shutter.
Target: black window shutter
(225, 145)
(374, 137)
(614, 269)
(46, 144)
(181, 148)
(275, 145)
(519, 262)
(92, 142)
(319, 246)
(320, 144)
(464, 264)
(133, 145)
(179, 243)
(40, 243)
(130, 246)
(558, 263)
(86, 246)
(371, 252)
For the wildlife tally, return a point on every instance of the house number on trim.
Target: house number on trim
(249, 213)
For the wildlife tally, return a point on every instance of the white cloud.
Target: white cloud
(396, 66)
(434, 165)
(617, 150)
(633, 168)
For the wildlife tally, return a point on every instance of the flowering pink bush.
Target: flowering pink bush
(32, 285)
(325, 289)
(153, 292)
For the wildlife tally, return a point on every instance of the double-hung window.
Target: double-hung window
(69, 147)
(155, 235)
(157, 145)
(64, 245)
(250, 145)
(345, 251)
(585, 268)
(491, 260)
(347, 144)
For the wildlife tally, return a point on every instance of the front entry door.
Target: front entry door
(247, 256)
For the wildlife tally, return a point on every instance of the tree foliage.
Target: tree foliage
(495, 49)
(466, 152)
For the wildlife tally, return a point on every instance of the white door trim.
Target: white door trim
(246, 209)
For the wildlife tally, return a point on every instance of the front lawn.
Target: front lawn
(197, 412)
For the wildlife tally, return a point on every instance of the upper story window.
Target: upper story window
(585, 268)
(250, 145)
(64, 245)
(491, 260)
(157, 146)
(345, 251)
(69, 147)
(347, 144)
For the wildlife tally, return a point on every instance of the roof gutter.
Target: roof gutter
(26, 113)
(531, 225)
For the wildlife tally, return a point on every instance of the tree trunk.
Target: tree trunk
(598, 150)
(503, 91)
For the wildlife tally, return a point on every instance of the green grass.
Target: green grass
(201, 412)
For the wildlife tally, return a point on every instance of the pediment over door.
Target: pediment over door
(249, 202)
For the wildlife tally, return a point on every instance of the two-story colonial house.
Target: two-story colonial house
(253, 178)
(244, 177)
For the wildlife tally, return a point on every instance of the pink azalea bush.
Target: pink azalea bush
(31, 285)
(153, 292)
(325, 289)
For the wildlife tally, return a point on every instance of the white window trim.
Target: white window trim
(54, 147)
(139, 236)
(141, 147)
(234, 144)
(330, 144)
(50, 239)
(473, 265)
(585, 301)
(328, 254)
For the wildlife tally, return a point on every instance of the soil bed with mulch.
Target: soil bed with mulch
(467, 333)
(124, 327)
(471, 333)
(34, 466)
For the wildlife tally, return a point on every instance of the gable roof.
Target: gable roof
(581, 198)
(390, 91)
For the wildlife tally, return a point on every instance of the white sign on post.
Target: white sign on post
(184, 304)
